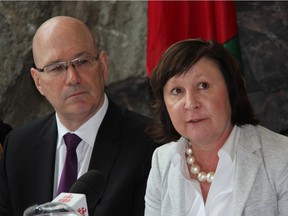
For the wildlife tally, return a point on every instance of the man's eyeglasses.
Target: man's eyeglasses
(79, 64)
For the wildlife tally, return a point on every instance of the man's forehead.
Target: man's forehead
(62, 35)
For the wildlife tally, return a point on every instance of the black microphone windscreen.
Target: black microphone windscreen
(92, 184)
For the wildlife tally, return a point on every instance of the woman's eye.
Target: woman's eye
(176, 91)
(203, 85)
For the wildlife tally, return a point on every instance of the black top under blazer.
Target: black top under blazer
(122, 151)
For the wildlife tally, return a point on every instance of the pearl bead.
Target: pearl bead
(190, 159)
(202, 176)
(195, 169)
(210, 177)
(189, 151)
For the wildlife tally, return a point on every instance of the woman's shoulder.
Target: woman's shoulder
(268, 136)
(271, 143)
(264, 134)
(162, 160)
(166, 150)
(167, 154)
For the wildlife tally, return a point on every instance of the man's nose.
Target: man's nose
(72, 75)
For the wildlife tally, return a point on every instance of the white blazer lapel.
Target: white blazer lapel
(247, 165)
(176, 190)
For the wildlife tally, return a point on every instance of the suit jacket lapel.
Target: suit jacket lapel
(44, 151)
(106, 148)
(247, 165)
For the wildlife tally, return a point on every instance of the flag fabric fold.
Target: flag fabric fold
(172, 21)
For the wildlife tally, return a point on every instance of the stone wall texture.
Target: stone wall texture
(121, 29)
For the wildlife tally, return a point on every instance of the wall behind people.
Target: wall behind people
(263, 27)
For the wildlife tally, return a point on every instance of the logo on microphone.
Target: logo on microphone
(66, 199)
(82, 211)
(76, 201)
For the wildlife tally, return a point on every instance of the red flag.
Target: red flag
(171, 21)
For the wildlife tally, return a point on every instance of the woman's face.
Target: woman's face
(198, 104)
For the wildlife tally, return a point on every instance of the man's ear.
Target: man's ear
(103, 58)
(37, 80)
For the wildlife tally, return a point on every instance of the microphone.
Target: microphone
(86, 191)
(52, 209)
(90, 185)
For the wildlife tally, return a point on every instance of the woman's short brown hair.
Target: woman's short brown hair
(178, 59)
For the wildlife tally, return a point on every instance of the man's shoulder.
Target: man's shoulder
(134, 116)
(35, 125)
(126, 116)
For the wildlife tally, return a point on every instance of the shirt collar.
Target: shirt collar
(88, 131)
(229, 147)
(231, 143)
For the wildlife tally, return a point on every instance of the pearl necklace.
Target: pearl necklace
(195, 168)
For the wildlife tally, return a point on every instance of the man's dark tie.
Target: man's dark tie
(70, 170)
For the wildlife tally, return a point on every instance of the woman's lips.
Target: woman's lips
(196, 120)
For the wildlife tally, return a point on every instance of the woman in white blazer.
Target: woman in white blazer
(218, 160)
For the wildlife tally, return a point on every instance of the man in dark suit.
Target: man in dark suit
(70, 72)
